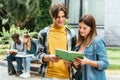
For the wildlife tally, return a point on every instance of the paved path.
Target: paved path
(5, 76)
(113, 77)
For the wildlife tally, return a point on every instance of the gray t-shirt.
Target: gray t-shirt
(18, 47)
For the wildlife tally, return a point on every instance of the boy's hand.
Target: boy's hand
(13, 51)
(54, 58)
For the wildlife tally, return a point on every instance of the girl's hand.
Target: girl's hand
(82, 61)
(87, 61)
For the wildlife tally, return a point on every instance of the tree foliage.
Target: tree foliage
(6, 35)
(43, 18)
(3, 17)
(29, 14)
(20, 11)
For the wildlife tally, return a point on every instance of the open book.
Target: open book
(68, 55)
(12, 51)
(23, 54)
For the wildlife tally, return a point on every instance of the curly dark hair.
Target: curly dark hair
(15, 35)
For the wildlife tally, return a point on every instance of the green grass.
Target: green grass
(114, 58)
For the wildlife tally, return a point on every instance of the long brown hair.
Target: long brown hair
(89, 21)
(28, 43)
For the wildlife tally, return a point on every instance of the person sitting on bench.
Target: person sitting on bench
(30, 49)
(17, 46)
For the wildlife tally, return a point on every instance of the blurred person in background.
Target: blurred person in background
(30, 52)
(16, 46)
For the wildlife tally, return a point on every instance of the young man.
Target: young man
(17, 46)
(55, 36)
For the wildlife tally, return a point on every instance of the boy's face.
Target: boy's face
(15, 40)
(60, 20)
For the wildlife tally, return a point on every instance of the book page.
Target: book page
(20, 54)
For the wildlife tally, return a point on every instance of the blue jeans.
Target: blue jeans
(10, 58)
(27, 62)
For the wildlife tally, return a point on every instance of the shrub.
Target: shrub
(34, 34)
(3, 49)
(43, 18)
(6, 35)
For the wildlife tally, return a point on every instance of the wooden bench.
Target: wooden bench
(35, 65)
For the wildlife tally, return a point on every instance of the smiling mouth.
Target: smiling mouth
(60, 22)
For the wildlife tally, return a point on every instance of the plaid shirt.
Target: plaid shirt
(43, 48)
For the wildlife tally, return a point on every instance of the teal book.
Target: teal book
(68, 55)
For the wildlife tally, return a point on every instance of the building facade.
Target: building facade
(105, 12)
(112, 23)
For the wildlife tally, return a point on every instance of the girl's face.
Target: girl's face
(60, 20)
(84, 30)
(25, 39)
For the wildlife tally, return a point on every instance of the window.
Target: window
(95, 8)
(53, 1)
(74, 11)
(76, 8)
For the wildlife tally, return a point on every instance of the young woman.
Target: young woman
(94, 49)
(30, 49)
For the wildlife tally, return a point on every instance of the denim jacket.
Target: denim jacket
(43, 47)
(33, 49)
(96, 52)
